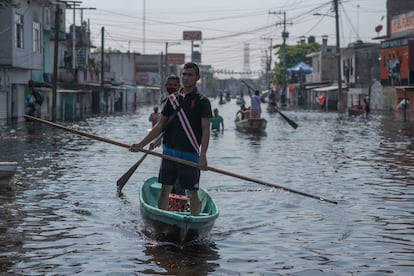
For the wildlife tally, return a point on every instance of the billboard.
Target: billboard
(196, 57)
(402, 24)
(175, 58)
(192, 35)
(394, 62)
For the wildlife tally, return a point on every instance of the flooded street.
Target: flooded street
(62, 215)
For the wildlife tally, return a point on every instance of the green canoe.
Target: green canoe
(176, 227)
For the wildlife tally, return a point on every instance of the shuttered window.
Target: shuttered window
(19, 30)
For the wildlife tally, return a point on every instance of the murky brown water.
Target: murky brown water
(62, 215)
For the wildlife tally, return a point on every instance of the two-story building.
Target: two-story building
(360, 73)
(24, 54)
(397, 54)
(324, 73)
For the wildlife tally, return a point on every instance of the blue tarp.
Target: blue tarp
(301, 67)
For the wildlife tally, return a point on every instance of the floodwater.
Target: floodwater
(62, 216)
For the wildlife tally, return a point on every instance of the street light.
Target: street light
(340, 105)
(165, 72)
(167, 68)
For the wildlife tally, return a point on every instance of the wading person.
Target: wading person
(217, 121)
(186, 137)
(154, 116)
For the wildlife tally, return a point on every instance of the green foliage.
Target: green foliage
(6, 3)
(294, 54)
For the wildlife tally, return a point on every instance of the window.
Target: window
(19, 30)
(36, 37)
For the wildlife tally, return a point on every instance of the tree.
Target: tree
(6, 3)
(294, 54)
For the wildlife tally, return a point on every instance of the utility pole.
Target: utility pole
(167, 71)
(143, 27)
(83, 31)
(285, 35)
(105, 94)
(55, 61)
(269, 64)
(72, 5)
(340, 106)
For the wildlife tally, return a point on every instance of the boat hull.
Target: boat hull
(7, 171)
(251, 125)
(355, 112)
(176, 227)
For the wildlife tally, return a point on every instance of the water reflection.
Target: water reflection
(189, 260)
(61, 216)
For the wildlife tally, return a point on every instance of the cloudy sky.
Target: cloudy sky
(227, 26)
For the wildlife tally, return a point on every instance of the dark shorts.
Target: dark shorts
(188, 177)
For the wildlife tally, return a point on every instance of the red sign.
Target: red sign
(402, 23)
(378, 28)
(175, 58)
(192, 35)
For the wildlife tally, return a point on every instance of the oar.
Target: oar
(126, 176)
(157, 141)
(290, 122)
(178, 160)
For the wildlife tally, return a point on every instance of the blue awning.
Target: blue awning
(301, 67)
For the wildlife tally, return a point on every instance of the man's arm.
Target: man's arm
(155, 131)
(205, 139)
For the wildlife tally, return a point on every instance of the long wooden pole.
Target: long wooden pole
(178, 160)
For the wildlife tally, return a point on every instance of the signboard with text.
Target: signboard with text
(175, 58)
(402, 24)
(394, 62)
(192, 35)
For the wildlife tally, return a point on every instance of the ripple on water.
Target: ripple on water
(62, 215)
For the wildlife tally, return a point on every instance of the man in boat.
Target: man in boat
(172, 85)
(255, 109)
(186, 137)
(243, 113)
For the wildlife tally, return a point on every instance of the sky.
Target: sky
(228, 26)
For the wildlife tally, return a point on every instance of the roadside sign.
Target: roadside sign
(175, 58)
(192, 35)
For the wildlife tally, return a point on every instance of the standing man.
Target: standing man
(172, 84)
(255, 108)
(366, 107)
(186, 137)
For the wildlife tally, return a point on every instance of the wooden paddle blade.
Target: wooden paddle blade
(290, 122)
(126, 176)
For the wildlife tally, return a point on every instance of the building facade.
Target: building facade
(24, 39)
